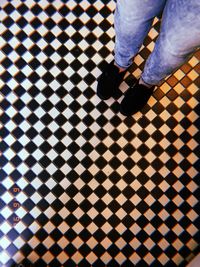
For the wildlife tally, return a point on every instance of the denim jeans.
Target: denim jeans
(179, 34)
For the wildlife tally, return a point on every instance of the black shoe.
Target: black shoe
(109, 81)
(135, 98)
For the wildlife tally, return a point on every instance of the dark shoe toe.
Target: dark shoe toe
(135, 99)
(109, 81)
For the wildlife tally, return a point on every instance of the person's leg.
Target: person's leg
(178, 39)
(132, 22)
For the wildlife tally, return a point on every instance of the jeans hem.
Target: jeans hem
(120, 66)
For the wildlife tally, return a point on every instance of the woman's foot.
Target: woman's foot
(110, 80)
(136, 98)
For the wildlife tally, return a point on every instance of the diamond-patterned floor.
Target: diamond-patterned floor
(82, 185)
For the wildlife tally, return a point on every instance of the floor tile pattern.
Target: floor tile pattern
(82, 185)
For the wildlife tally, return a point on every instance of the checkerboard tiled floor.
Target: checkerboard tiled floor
(81, 185)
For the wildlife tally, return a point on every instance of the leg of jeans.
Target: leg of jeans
(132, 22)
(179, 38)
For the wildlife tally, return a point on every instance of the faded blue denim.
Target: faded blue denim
(179, 34)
